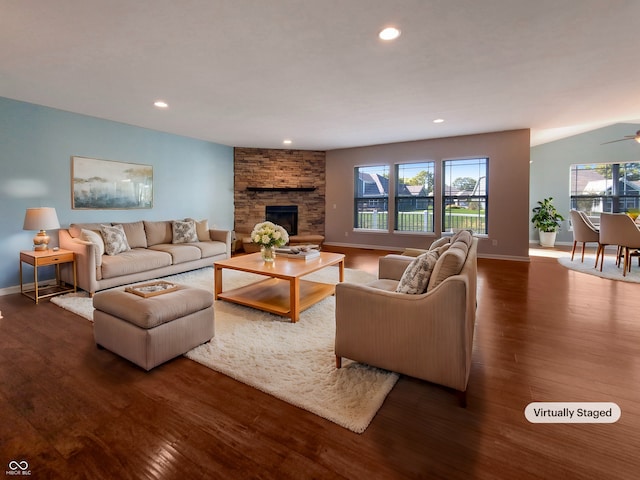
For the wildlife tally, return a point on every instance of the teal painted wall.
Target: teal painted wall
(551, 164)
(192, 178)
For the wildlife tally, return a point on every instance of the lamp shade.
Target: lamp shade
(43, 218)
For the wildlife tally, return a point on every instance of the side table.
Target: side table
(43, 258)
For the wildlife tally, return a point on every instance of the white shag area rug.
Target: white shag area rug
(609, 270)
(294, 362)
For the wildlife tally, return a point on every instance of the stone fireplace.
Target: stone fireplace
(276, 178)
(284, 215)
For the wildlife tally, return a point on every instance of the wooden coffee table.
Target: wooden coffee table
(284, 292)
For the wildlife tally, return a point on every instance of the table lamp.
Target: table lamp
(42, 219)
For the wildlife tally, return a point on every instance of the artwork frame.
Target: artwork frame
(110, 185)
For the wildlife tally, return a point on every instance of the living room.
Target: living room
(194, 176)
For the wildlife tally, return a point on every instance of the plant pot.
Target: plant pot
(547, 239)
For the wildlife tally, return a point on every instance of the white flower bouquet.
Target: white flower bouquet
(269, 234)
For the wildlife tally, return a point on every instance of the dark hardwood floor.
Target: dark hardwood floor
(543, 333)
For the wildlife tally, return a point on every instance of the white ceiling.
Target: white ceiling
(253, 72)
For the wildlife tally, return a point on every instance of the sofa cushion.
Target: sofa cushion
(179, 252)
(115, 240)
(134, 261)
(96, 239)
(416, 276)
(184, 232)
(158, 232)
(136, 237)
(210, 248)
(202, 229)
(450, 263)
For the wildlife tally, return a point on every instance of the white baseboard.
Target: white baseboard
(400, 249)
(367, 247)
(26, 286)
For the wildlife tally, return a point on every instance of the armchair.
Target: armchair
(427, 336)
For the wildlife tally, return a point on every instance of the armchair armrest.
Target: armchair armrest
(423, 336)
(393, 266)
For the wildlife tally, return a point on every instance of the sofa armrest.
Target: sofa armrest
(85, 261)
(222, 236)
(393, 266)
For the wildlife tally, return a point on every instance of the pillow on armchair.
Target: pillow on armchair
(415, 278)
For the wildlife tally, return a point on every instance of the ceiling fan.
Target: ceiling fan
(635, 137)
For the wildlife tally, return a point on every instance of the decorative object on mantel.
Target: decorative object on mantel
(42, 219)
(269, 236)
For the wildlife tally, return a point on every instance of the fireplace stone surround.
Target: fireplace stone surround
(271, 177)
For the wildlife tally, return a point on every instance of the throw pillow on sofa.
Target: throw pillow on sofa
(115, 240)
(184, 232)
(202, 229)
(416, 276)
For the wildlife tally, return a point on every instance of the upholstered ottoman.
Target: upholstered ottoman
(149, 331)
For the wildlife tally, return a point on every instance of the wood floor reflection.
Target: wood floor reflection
(543, 333)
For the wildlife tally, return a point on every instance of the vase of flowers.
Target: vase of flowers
(269, 236)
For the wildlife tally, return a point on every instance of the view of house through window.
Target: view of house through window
(605, 187)
(371, 200)
(414, 197)
(464, 195)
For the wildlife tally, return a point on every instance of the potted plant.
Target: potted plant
(547, 220)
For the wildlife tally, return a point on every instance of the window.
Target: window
(464, 195)
(414, 197)
(593, 189)
(371, 202)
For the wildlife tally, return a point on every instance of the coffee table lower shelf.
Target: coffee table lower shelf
(273, 295)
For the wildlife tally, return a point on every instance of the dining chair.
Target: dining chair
(583, 231)
(620, 230)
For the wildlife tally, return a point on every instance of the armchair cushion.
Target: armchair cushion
(439, 242)
(449, 264)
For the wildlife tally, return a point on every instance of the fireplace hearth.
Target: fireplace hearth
(284, 215)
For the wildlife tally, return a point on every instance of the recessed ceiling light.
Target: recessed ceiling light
(389, 33)
(287, 142)
(161, 104)
(438, 120)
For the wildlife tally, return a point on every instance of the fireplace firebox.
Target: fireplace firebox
(284, 215)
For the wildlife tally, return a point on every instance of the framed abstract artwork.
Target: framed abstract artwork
(107, 184)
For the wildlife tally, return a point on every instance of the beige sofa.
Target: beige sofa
(152, 253)
(424, 335)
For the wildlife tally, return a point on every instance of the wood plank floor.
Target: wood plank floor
(544, 333)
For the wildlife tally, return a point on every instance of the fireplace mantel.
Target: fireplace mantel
(281, 189)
